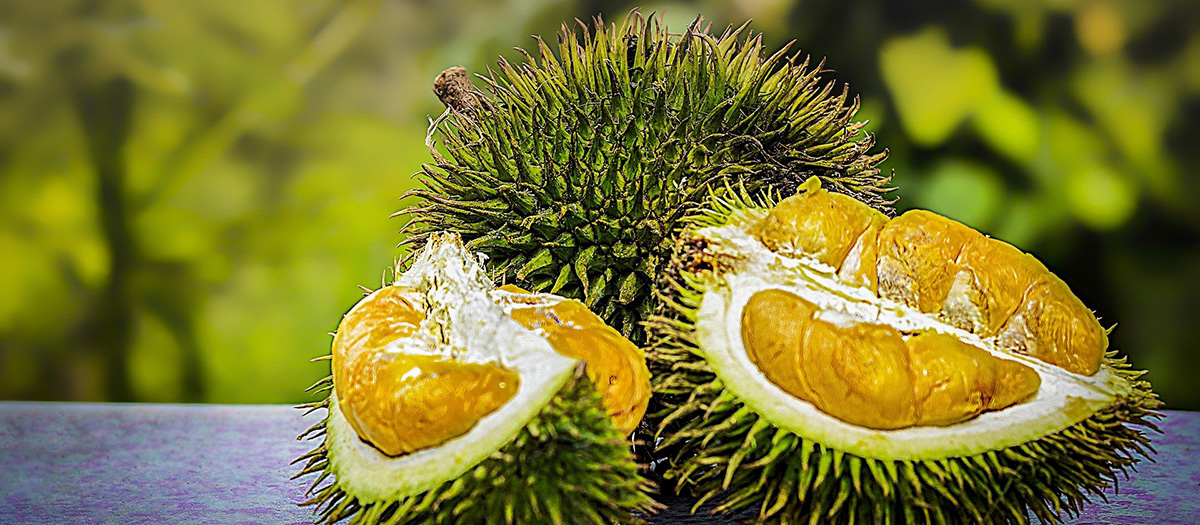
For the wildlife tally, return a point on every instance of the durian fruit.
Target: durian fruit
(572, 171)
(444, 407)
(818, 362)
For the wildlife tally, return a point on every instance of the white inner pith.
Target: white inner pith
(1062, 400)
(464, 322)
(512, 301)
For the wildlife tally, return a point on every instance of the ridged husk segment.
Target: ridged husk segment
(726, 454)
(569, 465)
(573, 170)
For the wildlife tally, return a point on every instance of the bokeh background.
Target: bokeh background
(191, 192)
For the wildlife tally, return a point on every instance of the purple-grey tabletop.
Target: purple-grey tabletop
(116, 463)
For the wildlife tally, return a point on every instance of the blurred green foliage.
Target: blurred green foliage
(191, 192)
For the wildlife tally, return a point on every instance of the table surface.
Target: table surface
(141, 463)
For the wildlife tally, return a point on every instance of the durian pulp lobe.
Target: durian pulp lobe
(941, 267)
(868, 374)
(409, 403)
(835, 229)
(402, 403)
(614, 364)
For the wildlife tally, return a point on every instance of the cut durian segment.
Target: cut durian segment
(443, 409)
(614, 364)
(940, 267)
(870, 375)
(443, 318)
(403, 403)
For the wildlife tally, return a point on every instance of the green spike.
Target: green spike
(628, 290)
(542, 260)
(564, 277)
(582, 264)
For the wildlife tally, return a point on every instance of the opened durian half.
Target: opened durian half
(820, 362)
(451, 401)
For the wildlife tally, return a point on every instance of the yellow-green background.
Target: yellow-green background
(190, 192)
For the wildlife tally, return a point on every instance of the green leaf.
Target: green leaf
(1100, 196)
(969, 192)
(1009, 125)
(934, 86)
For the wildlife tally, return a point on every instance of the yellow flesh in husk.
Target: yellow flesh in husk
(868, 375)
(402, 403)
(614, 364)
(944, 268)
(905, 339)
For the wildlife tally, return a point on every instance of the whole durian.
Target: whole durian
(454, 402)
(819, 362)
(572, 172)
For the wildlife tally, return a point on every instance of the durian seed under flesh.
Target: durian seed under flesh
(614, 364)
(942, 267)
(868, 374)
(402, 403)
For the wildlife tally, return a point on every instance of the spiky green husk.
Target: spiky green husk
(574, 174)
(725, 453)
(569, 465)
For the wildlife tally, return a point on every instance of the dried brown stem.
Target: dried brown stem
(453, 87)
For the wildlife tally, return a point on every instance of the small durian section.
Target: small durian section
(868, 374)
(442, 408)
(943, 268)
(458, 327)
(616, 366)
